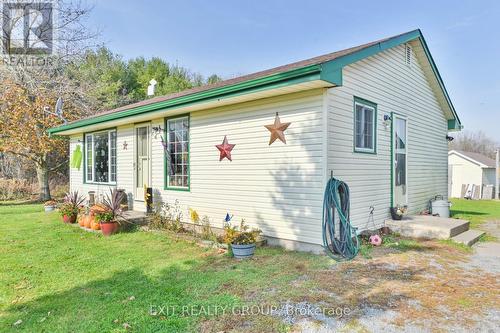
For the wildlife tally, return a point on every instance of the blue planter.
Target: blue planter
(49, 208)
(243, 251)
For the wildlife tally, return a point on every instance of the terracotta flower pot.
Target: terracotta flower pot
(69, 218)
(109, 228)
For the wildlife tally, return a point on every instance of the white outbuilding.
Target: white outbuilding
(470, 175)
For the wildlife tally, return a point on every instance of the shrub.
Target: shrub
(241, 235)
(166, 216)
(16, 189)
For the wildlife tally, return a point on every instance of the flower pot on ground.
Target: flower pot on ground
(111, 215)
(398, 212)
(69, 219)
(50, 205)
(242, 240)
(71, 206)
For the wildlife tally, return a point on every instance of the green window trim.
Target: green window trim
(110, 148)
(165, 159)
(365, 103)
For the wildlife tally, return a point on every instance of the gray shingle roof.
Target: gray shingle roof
(489, 162)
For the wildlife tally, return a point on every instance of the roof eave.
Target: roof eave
(292, 77)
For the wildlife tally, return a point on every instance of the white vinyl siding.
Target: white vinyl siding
(396, 87)
(277, 188)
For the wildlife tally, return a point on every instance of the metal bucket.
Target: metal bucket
(243, 251)
(441, 208)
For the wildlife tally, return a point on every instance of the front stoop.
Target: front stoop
(135, 217)
(426, 226)
(469, 238)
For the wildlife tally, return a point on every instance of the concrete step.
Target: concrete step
(468, 237)
(426, 226)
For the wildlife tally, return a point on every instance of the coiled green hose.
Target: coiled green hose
(340, 241)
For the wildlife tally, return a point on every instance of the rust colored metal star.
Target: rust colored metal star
(277, 130)
(225, 149)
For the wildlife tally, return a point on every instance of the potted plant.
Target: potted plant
(110, 217)
(242, 240)
(50, 205)
(398, 212)
(71, 206)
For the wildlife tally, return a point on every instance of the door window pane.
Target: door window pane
(400, 169)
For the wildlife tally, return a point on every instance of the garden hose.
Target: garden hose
(340, 241)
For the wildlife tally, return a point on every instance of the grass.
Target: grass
(475, 211)
(58, 278)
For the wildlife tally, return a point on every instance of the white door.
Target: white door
(400, 161)
(142, 160)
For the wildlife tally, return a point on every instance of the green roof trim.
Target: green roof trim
(300, 75)
(328, 71)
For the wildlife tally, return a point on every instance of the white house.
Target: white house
(467, 169)
(376, 115)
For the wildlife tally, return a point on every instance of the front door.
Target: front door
(400, 161)
(142, 160)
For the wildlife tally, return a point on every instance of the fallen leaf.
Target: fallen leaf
(126, 326)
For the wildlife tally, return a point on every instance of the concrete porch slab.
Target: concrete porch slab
(426, 226)
(469, 238)
(135, 217)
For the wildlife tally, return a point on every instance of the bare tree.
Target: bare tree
(476, 142)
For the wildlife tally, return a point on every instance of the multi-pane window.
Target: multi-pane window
(100, 157)
(177, 155)
(365, 115)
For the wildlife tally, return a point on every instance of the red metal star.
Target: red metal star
(277, 130)
(225, 149)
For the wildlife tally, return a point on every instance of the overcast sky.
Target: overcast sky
(231, 38)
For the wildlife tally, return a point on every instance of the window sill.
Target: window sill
(181, 189)
(365, 151)
(95, 183)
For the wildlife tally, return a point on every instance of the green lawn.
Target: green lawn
(476, 211)
(59, 278)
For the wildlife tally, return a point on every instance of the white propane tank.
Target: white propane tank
(440, 207)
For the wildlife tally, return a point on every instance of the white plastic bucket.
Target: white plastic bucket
(441, 208)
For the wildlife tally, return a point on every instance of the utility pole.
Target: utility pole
(497, 174)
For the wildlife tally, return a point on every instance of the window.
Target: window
(100, 157)
(365, 115)
(177, 154)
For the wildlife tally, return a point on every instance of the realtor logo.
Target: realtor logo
(27, 27)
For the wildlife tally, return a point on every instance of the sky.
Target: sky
(232, 38)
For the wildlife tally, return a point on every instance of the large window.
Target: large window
(365, 116)
(177, 154)
(100, 157)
